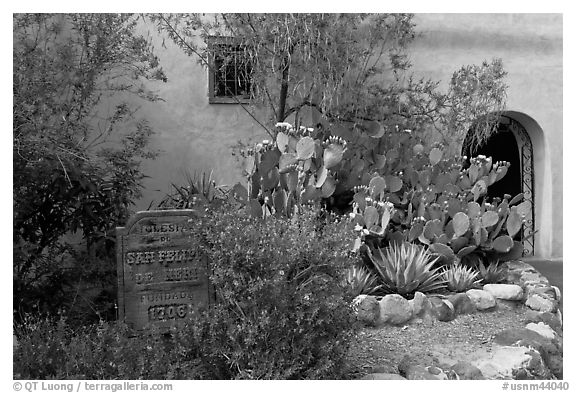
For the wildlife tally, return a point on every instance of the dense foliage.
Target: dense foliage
(77, 147)
(442, 203)
(284, 273)
(55, 349)
(412, 192)
(282, 313)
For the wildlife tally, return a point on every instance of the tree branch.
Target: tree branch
(192, 49)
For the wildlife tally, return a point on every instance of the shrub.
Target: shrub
(283, 312)
(460, 278)
(406, 269)
(53, 349)
(76, 162)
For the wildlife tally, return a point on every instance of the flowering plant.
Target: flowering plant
(282, 309)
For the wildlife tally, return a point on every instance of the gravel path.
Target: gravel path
(441, 344)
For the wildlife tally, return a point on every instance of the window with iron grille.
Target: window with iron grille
(229, 72)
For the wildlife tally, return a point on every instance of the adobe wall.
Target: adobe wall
(191, 134)
(530, 46)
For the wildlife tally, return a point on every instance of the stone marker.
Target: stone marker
(162, 276)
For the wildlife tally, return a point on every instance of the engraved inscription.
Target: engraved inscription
(167, 311)
(161, 228)
(163, 274)
(162, 257)
(144, 278)
(165, 296)
(182, 274)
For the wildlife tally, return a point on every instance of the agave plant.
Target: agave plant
(199, 189)
(361, 281)
(494, 273)
(460, 278)
(406, 269)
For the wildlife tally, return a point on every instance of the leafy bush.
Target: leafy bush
(283, 312)
(460, 278)
(406, 269)
(53, 349)
(77, 164)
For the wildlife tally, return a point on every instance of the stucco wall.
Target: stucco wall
(195, 135)
(530, 46)
(191, 134)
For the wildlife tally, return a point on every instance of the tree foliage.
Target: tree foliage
(77, 144)
(350, 67)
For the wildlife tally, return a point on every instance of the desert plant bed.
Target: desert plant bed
(474, 335)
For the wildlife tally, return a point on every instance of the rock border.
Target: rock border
(534, 352)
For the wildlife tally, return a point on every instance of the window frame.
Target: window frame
(212, 97)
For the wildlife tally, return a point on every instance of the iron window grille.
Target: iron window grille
(229, 80)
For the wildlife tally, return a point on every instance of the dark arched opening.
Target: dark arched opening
(511, 143)
(502, 146)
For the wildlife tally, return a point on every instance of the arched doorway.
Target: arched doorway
(511, 143)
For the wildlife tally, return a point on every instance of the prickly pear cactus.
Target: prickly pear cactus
(295, 169)
(439, 202)
(403, 189)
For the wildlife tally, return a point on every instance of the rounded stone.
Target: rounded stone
(545, 291)
(443, 309)
(394, 310)
(482, 300)
(542, 329)
(505, 291)
(418, 303)
(523, 274)
(467, 371)
(513, 363)
(418, 372)
(462, 303)
(367, 309)
(548, 318)
(540, 303)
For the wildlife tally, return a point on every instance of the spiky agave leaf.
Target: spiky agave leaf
(361, 281)
(406, 269)
(460, 278)
(494, 273)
